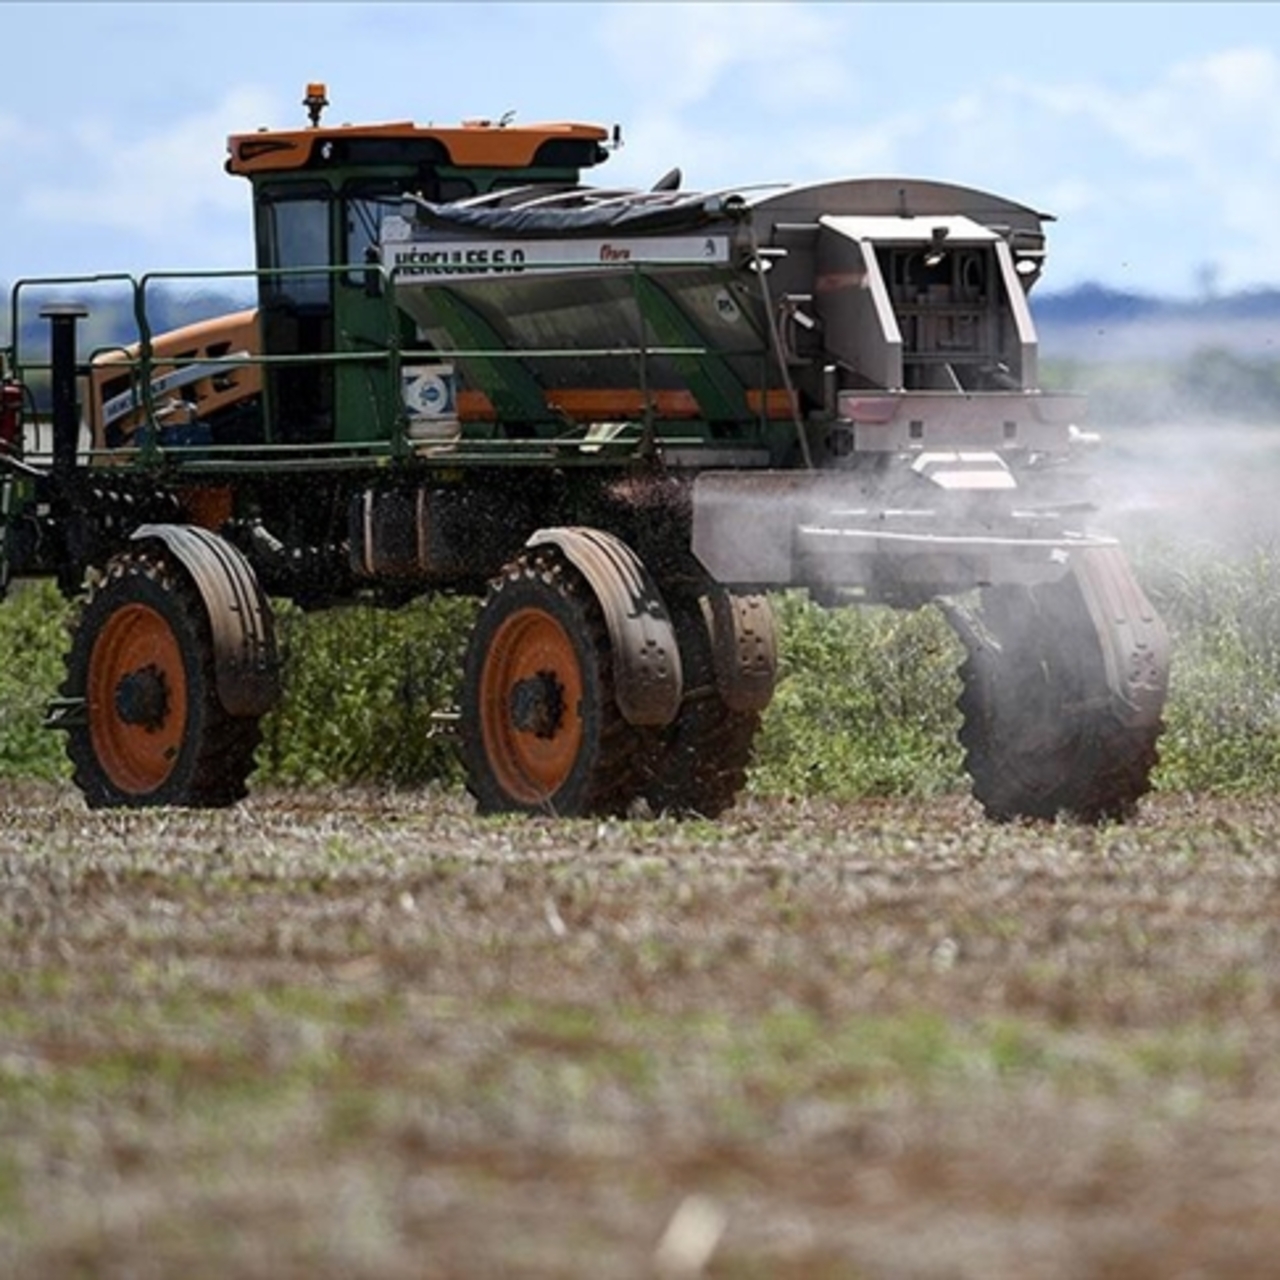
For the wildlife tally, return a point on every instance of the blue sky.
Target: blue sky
(1151, 130)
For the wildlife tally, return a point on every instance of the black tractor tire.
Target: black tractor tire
(541, 730)
(152, 730)
(1041, 736)
(697, 766)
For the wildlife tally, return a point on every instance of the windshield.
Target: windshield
(296, 234)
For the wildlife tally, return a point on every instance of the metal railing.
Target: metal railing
(140, 361)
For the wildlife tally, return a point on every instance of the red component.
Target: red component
(11, 416)
(869, 410)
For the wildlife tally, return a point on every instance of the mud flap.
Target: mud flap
(1132, 636)
(246, 662)
(744, 647)
(649, 681)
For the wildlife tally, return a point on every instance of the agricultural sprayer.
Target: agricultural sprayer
(619, 418)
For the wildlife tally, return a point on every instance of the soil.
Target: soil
(372, 1035)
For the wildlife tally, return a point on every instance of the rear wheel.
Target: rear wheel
(541, 728)
(153, 730)
(1040, 731)
(697, 765)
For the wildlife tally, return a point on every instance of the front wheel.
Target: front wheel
(541, 728)
(1041, 732)
(152, 731)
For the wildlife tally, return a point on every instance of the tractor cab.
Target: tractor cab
(320, 195)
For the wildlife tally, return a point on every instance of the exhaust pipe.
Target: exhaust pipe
(64, 407)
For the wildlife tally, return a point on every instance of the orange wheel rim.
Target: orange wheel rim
(137, 695)
(530, 705)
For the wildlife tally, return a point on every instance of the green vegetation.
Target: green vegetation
(33, 639)
(1212, 383)
(1223, 721)
(364, 692)
(866, 704)
(865, 707)
(363, 688)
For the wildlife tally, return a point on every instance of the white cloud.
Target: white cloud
(1180, 170)
(1191, 113)
(717, 83)
(1154, 168)
(158, 184)
(1070, 195)
(23, 140)
(1238, 76)
(1152, 174)
(1196, 148)
(685, 53)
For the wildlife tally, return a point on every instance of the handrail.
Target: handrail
(140, 359)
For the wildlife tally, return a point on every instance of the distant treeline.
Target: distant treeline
(112, 320)
(1100, 304)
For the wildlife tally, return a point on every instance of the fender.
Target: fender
(744, 648)
(648, 675)
(246, 662)
(1133, 638)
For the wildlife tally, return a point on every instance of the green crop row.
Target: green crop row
(865, 705)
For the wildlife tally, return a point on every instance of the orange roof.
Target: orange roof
(473, 144)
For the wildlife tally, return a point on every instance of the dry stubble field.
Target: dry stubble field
(369, 1035)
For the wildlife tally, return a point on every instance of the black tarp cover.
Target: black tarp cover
(635, 218)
